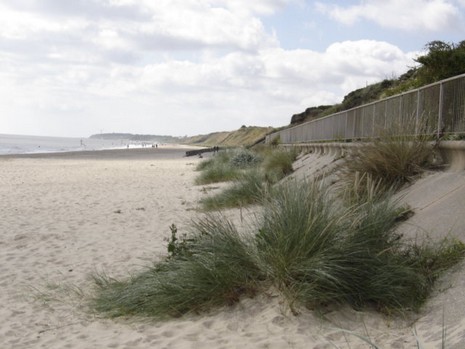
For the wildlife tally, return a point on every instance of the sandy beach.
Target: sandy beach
(64, 216)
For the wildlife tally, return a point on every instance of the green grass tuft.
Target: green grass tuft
(309, 246)
(246, 190)
(319, 252)
(226, 166)
(388, 162)
(278, 164)
(217, 172)
(251, 173)
(219, 270)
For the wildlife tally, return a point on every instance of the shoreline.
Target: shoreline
(173, 151)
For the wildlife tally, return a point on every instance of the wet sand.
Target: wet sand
(162, 152)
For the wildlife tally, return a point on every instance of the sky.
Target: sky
(74, 68)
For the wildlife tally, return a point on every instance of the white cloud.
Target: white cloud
(167, 66)
(366, 57)
(215, 93)
(136, 25)
(343, 67)
(209, 26)
(287, 75)
(416, 15)
(266, 7)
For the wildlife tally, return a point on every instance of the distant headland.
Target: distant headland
(244, 136)
(137, 137)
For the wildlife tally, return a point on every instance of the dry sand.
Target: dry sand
(64, 216)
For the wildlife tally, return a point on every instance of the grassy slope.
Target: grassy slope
(245, 136)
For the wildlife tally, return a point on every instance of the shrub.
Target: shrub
(178, 246)
(245, 158)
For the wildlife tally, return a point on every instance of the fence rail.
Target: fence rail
(434, 109)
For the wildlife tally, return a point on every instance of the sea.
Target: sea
(19, 144)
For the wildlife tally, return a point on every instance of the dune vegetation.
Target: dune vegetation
(251, 173)
(309, 245)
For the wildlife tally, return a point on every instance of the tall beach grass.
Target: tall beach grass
(308, 245)
(321, 252)
(384, 164)
(246, 190)
(278, 164)
(218, 269)
(251, 173)
(226, 165)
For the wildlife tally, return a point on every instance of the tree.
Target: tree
(442, 61)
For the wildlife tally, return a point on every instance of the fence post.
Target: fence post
(353, 127)
(401, 102)
(374, 120)
(385, 114)
(345, 128)
(441, 97)
(417, 115)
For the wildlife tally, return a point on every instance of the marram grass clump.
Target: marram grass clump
(309, 246)
(246, 190)
(389, 161)
(227, 165)
(278, 164)
(217, 172)
(217, 268)
(250, 172)
(320, 252)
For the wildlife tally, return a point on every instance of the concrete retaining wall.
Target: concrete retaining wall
(452, 153)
